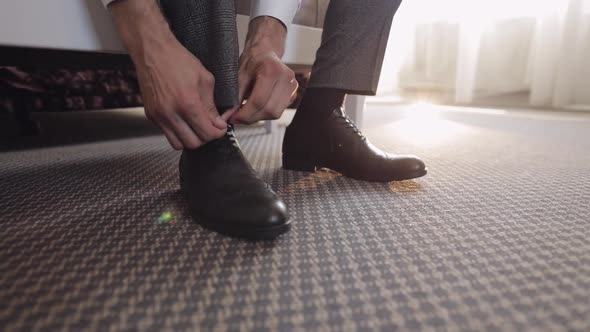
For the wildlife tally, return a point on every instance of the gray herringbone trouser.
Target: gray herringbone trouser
(350, 56)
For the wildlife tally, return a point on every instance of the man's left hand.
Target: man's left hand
(265, 82)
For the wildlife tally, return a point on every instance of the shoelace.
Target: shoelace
(230, 150)
(346, 121)
(231, 135)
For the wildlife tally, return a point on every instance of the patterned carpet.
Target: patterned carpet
(497, 236)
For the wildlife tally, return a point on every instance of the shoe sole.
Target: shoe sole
(247, 233)
(250, 233)
(305, 166)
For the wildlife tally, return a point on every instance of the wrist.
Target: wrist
(142, 27)
(267, 32)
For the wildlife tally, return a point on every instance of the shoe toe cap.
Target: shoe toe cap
(259, 212)
(276, 214)
(413, 164)
(400, 167)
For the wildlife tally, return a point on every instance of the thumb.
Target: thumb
(229, 112)
(216, 119)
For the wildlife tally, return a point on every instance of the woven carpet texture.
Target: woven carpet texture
(96, 236)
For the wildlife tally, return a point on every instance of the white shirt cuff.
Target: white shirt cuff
(106, 2)
(283, 10)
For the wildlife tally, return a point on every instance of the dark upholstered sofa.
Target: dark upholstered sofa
(32, 88)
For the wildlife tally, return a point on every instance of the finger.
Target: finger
(161, 120)
(228, 113)
(295, 87)
(288, 95)
(203, 126)
(216, 118)
(261, 93)
(244, 83)
(172, 139)
(206, 105)
(188, 137)
(149, 116)
(278, 102)
(259, 116)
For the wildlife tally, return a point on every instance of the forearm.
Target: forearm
(142, 28)
(266, 32)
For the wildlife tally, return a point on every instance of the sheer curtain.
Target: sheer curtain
(474, 48)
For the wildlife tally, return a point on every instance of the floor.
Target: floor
(497, 237)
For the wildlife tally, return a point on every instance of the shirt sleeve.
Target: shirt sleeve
(283, 10)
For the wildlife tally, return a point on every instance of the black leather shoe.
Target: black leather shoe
(339, 145)
(226, 196)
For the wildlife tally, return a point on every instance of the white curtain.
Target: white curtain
(474, 48)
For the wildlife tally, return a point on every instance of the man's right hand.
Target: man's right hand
(177, 90)
(178, 96)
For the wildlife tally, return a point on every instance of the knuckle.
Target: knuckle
(290, 75)
(192, 142)
(175, 146)
(271, 69)
(187, 105)
(267, 110)
(206, 136)
(270, 113)
(211, 108)
(246, 121)
(259, 104)
(277, 114)
(218, 134)
(242, 77)
(209, 79)
(163, 115)
(150, 115)
(192, 145)
(262, 74)
(211, 134)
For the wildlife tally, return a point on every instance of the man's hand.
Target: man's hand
(177, 90)
(265, 81)
(178, 96)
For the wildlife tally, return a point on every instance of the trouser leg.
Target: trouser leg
(208, 30)
(353, 45)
